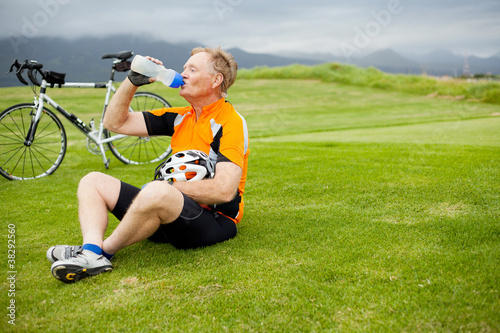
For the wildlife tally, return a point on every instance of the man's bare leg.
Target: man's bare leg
(157, 203)
(97, 195)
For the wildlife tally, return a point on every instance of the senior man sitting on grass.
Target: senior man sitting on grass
(186, 214)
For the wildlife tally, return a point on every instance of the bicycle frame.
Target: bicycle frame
(90, 132)
(23, 156)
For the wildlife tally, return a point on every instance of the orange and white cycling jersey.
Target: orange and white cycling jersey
(220, 132)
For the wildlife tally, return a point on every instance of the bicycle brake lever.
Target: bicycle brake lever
(15, 64)
(32, 77)
(19, 71)
(33, 66)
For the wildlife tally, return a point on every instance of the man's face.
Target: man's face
(198, 82)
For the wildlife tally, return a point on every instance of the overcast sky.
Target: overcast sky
(354, 27)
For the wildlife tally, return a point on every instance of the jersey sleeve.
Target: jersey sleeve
(161, 121)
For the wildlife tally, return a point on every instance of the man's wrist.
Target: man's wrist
(138, 79)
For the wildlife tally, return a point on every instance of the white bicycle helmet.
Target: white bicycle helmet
(186, 165)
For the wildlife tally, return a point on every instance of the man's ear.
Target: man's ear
(218, 80)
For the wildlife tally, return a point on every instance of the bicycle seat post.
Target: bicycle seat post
(112, 76)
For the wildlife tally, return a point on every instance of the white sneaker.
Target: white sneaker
(85, 263)
(62, 252)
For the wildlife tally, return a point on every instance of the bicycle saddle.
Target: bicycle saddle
(123, 55)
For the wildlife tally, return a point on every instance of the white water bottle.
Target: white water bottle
(146, 67)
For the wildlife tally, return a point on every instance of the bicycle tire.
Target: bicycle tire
(19, 161)
(141, 150)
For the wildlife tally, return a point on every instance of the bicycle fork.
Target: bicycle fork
(35, 118)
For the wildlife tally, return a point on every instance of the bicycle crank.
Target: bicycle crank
(93, 148)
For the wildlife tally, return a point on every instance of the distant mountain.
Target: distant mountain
(250, 60)
(81, 58)
(438, 62)
(441, 61)
(483, 65)
(388, 61)
(320, 57)
(439, 56)
(384, 58)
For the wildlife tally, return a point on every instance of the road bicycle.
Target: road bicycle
(33, 139)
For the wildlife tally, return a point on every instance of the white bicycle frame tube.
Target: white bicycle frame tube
(94, 135)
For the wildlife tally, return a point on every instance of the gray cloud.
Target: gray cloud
(265, 26)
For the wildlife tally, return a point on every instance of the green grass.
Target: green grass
(366, 210)
(481, 90)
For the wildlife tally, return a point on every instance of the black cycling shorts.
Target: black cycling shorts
(195, 227)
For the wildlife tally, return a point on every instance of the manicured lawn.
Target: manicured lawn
(365, 211)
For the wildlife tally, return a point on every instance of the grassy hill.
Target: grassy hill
(367, 209)
(484, 91)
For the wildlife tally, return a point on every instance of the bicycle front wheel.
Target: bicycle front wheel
(140, 150)
(20, 160)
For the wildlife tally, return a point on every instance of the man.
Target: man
(184, 214)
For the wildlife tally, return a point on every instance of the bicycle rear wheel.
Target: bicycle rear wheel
(140, 150)
(19, 161)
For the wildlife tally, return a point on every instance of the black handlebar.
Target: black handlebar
(32, 67)
(120, 64)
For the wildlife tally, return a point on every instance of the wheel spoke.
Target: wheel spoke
(43, 156)
(21, 138)
(142, 150)
(15, 153)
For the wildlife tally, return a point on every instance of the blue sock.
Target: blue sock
(107, 255)
(92, 247)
